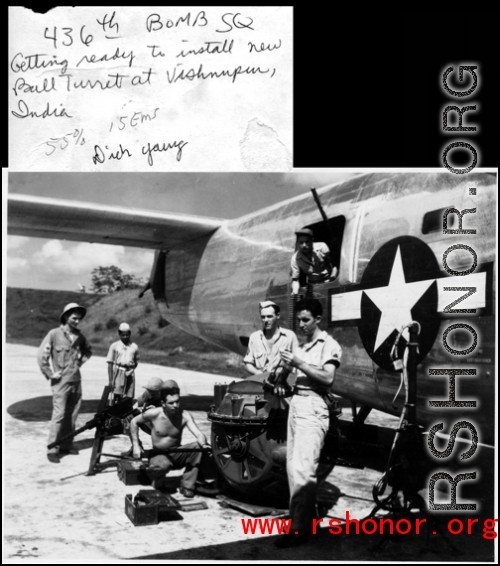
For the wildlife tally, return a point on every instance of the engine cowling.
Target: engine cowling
(249, 427)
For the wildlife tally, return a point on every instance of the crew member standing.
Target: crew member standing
(311, 260)
(264, 346)
(308, 420)
(60, 356)
(123, 357)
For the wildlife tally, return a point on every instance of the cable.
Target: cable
(380, 486)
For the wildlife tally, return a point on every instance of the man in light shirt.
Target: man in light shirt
(315, 364)
(264, 346)
(123, 357)
(60, 356)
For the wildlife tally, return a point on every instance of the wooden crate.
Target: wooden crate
(133, 472)
(167, 505)
(149, 507)
(141, 513)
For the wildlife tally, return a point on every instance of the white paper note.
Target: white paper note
(150, 89)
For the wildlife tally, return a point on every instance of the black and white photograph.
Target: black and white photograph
(249, 286)
(206, 335)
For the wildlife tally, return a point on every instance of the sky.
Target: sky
(39, 263)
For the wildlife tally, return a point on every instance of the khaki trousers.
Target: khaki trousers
(66, 401)
(160, 464)
(308, 422)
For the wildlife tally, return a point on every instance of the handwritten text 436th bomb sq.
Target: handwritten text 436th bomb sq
(92, 88)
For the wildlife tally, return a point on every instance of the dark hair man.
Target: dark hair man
(308, 420)
(312, 259)
(167, 423)
(264, 346)
(65, 349)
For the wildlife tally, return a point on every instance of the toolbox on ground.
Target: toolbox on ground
(133, 472)
(149, 507)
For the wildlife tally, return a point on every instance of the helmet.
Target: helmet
(72, 307)
(154, 384)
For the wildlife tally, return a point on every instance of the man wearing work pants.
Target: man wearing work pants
(168, 423)
(308, 420)
(65, 349)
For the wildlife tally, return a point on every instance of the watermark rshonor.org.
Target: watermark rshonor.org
(458, 95)
(368, 526)
(468, 234)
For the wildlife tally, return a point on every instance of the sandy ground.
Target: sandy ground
(57, 514)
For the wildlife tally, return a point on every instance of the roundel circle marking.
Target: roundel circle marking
(399, 285)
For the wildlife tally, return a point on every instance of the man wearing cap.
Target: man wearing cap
(60, 356)
(151, 397)
(167, 423)
(123, 357)
(311, 260)
(264, 346)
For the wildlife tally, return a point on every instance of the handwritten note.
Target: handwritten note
(150, 89)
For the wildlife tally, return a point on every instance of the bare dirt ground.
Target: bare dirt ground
(54, 513)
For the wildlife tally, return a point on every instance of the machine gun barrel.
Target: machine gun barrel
(87, 426)
(120, 410)
(180, 450)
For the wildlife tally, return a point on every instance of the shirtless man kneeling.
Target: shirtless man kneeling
(168, 422)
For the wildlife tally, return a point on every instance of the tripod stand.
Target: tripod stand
(405, 470)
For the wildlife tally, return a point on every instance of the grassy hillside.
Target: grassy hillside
(31, 313)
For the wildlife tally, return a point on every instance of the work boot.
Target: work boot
(208, 489)
(186, 492)
(321, 510)
(68, 451)
(53, 457)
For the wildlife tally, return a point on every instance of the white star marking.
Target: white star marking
(396, 300)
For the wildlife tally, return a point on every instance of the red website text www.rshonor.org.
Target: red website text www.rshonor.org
(369, 526)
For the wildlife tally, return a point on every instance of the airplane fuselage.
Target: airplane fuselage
(213, 284)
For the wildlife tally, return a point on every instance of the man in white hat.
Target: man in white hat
(60, 356)
(123, 357)
(264, 346)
